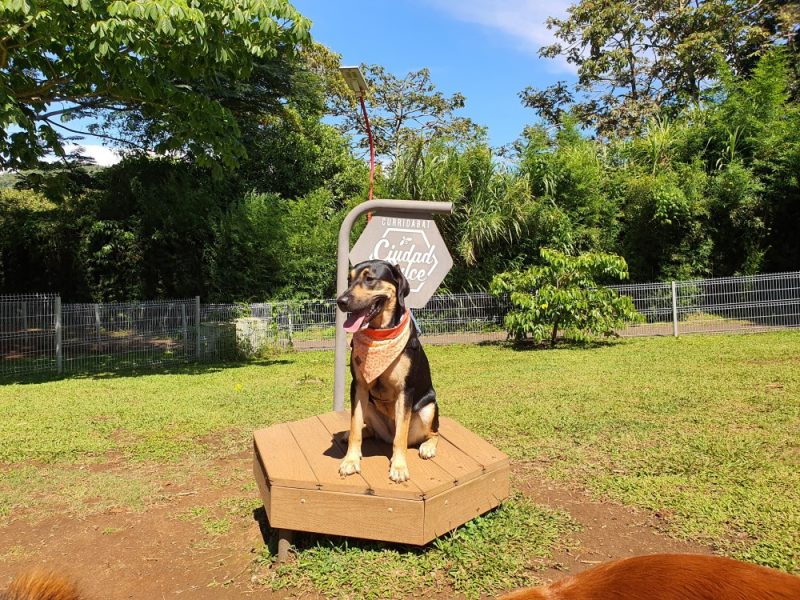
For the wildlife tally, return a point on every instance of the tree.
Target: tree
(405, 110)
(490, 204)
(635, 58)
(564, 293)
(162, 60)
(571, 173)
(38, 239)
(291, 151)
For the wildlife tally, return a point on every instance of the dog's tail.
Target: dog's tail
(40, 585)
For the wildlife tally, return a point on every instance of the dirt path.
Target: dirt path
(163, 552)
(201, 539)
(609, 531)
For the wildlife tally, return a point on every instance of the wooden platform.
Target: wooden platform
(296, 466)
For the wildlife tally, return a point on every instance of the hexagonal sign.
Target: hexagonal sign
(411, 241)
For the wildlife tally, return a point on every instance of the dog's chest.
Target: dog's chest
(389, 386)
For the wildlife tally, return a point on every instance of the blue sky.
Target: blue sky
(486, 49)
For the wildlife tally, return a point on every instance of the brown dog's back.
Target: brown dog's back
(40, 585)
(670, 577)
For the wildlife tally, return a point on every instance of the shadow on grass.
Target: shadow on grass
(561, 344)
(113, 372)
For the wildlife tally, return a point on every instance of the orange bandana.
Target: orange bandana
(375, 349)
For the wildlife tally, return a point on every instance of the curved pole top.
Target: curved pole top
(421, 206)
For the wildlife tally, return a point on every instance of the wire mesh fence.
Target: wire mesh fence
(28, 333)
(128, 335)
(39, 334)
(720, 305)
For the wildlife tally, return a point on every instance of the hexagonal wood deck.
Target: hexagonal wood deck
(296, 466)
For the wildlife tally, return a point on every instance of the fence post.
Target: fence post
(198, 346)
(291, 325)
(674, 310)
(185, 331)
(97, 326)
(59, 334)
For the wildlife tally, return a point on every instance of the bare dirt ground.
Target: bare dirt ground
(168, 551)
(608, 531)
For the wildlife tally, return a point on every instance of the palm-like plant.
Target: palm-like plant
(490, 202)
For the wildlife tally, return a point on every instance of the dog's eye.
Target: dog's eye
(369, 279)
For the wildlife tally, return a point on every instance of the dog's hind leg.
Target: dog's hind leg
(425, 430)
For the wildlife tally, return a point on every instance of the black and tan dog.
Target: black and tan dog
(391, 395)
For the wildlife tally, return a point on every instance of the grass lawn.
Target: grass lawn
(703, 429)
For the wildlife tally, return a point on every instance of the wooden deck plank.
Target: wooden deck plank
(460, 466)
(374, 462)
(324, 455)
(480, 450)
(431, 478)
(336, 422)
(351, 515)
(282, 457)
(455, 507)
(450, 467)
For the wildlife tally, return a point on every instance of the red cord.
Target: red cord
(371, 149)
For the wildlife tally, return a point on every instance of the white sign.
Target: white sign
(412, 243)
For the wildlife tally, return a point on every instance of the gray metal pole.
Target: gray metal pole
(197, 326)
(97, 326)
(343, 266)
(185, 331)
(59, 336)
(674, 310)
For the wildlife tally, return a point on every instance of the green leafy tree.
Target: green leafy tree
(492, 206)
(635, 58)
(405, 110)
(664, 229)
(570, 173)
(290, 150)
(156, 218)
(38, 242)
(564, 293)
(167, 61)
(245, 259)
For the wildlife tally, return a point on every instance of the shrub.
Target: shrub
(563, 293)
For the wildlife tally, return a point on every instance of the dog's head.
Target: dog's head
(375, 295)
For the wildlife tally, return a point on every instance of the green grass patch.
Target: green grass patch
(158, 416)
(489, 554)
(39, 491)
(702, 429)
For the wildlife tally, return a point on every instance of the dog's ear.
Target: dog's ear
(402, 284)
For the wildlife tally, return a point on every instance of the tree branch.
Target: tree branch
(97, 135)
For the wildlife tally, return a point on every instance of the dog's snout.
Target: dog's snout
(343, 302)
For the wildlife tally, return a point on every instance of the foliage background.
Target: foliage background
(707, 185)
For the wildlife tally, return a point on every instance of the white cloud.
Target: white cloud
(523, 20)
(101, 155)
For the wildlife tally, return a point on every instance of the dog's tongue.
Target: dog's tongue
(353, 322)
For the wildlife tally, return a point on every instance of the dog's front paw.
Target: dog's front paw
(398, 471)
(349, 466)
(427, 449)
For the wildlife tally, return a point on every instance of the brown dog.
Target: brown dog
(40, 585)
(670, 577)
(391, 395)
